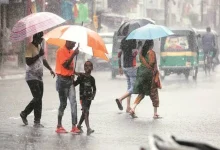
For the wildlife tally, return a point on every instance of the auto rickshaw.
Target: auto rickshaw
(200, 33)
(179, 53)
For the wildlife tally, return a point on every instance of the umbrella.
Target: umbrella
(150, 32)
(131, 25)
(90, 42)
(33, 24)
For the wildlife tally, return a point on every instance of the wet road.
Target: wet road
(190, 110)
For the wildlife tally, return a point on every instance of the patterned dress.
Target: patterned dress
(145, 82)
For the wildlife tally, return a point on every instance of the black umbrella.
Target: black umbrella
(130, 25)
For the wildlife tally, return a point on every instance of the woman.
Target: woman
(147, 80)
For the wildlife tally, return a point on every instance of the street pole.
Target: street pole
(145, 8)
(166, 17)
(218, 25)
(94, 15)
(201, 12)
(43, 5)
(1, 50)
(44, 43)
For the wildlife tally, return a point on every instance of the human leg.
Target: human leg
(38, 106)
(132, 78)
(86, 108)
(128, 104)
(82, 118)
(137, 101)
(154, 96)
(73, 105)
(130, 74)
(36, 103)
(63, 103)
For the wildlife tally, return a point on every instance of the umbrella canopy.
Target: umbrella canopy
(150, 32)
(33, 24)
(90, 42)
(131, 25)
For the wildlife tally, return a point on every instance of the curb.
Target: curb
(16, 76)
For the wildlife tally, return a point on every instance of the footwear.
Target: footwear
(156, 116)
(60, 130)
(75, 130)
(38, 125)
(90, 131)
(132, 113)
(80, 128)
(24, 118)
(119, 104)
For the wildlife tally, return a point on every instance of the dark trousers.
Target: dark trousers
(36, 88)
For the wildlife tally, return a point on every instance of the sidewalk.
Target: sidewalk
(16, 72)
(12, 73)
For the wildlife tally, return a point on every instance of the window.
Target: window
(176, 43)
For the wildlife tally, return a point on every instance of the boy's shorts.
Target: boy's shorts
(86, 104)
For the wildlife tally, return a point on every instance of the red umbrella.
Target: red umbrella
(33, 24)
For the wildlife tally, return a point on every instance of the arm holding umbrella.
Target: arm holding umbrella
(37, 39)
(31, 60)
(70, 45)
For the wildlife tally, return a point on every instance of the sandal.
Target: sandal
(156, 116)
(119, 104)
(132, 113)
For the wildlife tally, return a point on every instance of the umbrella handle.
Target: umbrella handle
(76, 57)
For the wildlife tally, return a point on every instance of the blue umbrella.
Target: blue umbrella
(149, 32)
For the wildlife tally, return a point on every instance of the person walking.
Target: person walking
(34, 78)
(64, 84)
(147, 81)
(87, 93)
(127, 56)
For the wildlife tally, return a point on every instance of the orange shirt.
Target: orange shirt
(62, 55)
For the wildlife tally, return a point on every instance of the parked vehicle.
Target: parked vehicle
(180, 53)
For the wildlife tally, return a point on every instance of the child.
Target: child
(87, 91)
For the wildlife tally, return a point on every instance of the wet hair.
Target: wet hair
(38, 35)
(208, 29)
(88, 62)
(128, 44)
(147, 45)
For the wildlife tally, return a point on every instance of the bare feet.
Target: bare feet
(128, 109)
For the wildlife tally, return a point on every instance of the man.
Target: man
(34, 73)
(128, 53)
(65, 76)
(208, 43)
